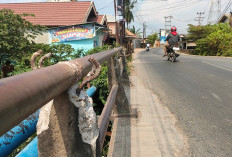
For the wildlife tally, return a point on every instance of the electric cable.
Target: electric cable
(106, 5)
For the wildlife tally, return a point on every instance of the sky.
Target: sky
(152, 12)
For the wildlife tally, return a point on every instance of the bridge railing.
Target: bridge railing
(66, 124)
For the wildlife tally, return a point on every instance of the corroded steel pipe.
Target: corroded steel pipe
(23, 94)
(106, 114)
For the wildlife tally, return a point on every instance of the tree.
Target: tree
(16, 34)
(211, 39)
(128, 11)
(134, 31)
(60, 52)
(151, 38)
(199, 32)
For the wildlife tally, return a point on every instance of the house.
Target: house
(111, 24)
(226, 18)
(186, 44)
(74, 23)
(131, 38)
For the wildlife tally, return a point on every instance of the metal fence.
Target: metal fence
(23, 94)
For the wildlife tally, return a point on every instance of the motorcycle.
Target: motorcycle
(171, 52)
(147, 48)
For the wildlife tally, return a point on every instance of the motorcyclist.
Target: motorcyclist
(172, 38)
(148, 45)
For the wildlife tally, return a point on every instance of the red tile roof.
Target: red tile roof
(54, 14)
(99, 19)
(129, 33)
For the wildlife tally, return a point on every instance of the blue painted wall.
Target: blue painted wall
(85, 44)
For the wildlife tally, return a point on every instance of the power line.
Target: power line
(152, 26)
(139, 19)
(171, 4)
(183, 5)
(171, 9)
(106, 6)
(226, 8)
(206, 6)
(182, 20)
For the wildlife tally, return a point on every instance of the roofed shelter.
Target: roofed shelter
(82, 26)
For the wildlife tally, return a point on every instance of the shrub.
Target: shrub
(228, 53)
(215, 40)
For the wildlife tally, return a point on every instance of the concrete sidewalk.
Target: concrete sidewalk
(153, 131)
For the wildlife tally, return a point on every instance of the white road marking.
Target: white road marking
(217, 66)
(216, 96)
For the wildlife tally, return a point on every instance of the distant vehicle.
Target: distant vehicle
(147, 48)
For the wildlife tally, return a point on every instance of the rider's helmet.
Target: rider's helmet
(173, 29)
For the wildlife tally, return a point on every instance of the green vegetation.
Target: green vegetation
(20, 147)
(101, 82)
(128, 11)
(152, 38)
(211, 40)
(15, 43)
(60, 52)
(134, 31)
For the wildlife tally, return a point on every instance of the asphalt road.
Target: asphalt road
(198, 91)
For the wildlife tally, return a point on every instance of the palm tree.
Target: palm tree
(128, 11)
(134, 31)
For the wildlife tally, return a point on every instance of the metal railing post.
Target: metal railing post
(23, 94)
(62, 121)
(111, 73)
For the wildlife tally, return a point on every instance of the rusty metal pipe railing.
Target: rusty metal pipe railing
(106, 114)
(23, 94)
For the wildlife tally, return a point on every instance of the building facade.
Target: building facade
(86, 36)
(79, 25)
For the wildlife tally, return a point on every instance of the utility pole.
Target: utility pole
(168, 21)
(211, 12)
(120, 20)
(219, 9)
(215, 10)
(116, 23)
(199, 18)
(144, 32)
(124, 21)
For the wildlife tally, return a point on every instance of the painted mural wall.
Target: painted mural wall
(72, 33)
(79, 37)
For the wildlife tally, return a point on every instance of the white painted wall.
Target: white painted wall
(44, 38)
